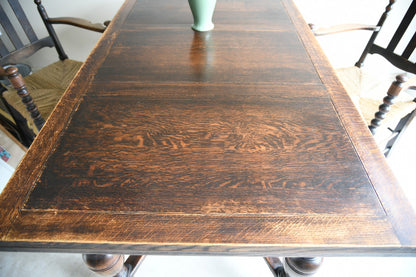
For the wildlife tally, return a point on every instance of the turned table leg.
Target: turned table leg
(112, 265)
(292, 267)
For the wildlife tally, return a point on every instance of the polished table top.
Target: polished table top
(237, 141)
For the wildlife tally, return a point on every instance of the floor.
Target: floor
(342, 50)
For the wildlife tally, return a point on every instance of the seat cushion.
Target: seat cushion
(46, 87)
(367, 93)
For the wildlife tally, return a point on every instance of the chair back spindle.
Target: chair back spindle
(13, 46)
(401, 61)
(24, 22)
(51, 30)
(400, 53)
(19, 41)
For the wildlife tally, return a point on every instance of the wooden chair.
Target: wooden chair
(46, 85)
(367, 91)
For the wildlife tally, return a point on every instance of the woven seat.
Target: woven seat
(46, 86)
(382, 101)
(366, 91)
(41, 91)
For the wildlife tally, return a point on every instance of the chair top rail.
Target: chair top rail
(26, 51)
(396, 60)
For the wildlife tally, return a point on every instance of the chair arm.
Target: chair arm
(320, 31)
(81, 23)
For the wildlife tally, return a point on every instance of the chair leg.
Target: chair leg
(276, 266)
(19, 128)
(394, 91)
(18, 83)
(398, 132)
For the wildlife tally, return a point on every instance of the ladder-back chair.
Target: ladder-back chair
(18, 41)
(397, 109)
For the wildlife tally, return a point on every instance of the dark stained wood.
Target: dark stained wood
(240, 141)
(18, 83)
(374, 162)
(18, 128)
(24, 22)
(401, 127)
(51, 132)
(214, 59)
(133, 262)
(394, 91)
(22, 49)
(391, 52)
(304, 266)
(294, 266)
(51, 31)
(16, 47)
(276, 266)
(78, 22)
(9, 29)
(26, 51)
(106, 264)
(373, 37)
(27, 43)
(113, 265)
(404, 25)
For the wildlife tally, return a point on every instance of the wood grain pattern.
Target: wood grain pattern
(198, 234)
(228, 13)
(231, 145)
(240, 141)
(13, 196)
(395, 203)
(219, 58)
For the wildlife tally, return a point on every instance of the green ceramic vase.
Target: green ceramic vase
(202, 11)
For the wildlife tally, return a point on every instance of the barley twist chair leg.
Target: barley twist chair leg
(394, 91)
(18, 83)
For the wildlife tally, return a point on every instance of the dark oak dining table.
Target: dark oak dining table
(236, 141)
